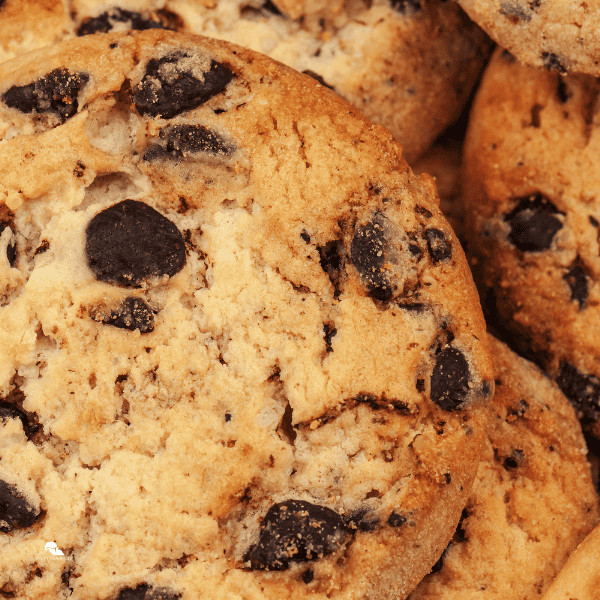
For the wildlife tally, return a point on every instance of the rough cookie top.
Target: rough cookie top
(407, 65)
(530, 191)
(533, 500)
(242, 352)
(559, 36)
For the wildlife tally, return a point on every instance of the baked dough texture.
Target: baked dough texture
(243, 355)
(533, 500)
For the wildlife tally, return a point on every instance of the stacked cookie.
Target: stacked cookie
(242, 352)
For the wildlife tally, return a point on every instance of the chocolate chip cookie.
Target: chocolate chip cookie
(533, 500)
(242, 352)
(531, 194)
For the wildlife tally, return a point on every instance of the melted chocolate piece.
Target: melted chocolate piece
(270, 7)
(332, 262)
(107, 20)
(514, 460)
(130, 242)
(582, 390)
(11, 411)
(296, 531)
(577, 281)
(552, 62)
(362, 520)
(15, 510)
(308, 576)
(11, 249)
(133, 314)
(330, 331)
(533, 223)
(368, 254)
(406, 6)
(55, 93)
(450, 379)
(168, 90)
(181, 140)
(438, 246)
(396, 520)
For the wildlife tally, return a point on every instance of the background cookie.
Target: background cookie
(243, 353)
(409, 66)
(531, 193)
(533, 500)
(580, 577)
(557, 36)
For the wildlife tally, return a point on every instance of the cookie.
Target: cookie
(409, 66)
(580, 577)
(242, 352)
(533, 500)
(556, 36)
(530, 192)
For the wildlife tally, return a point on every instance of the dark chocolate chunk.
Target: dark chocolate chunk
(15, 511)
(43, 247)
(146, 592)
(396, 520)
(514, 460)
(11, 411)
(107, 20)
(577, 281)
(308, 576)
(130, 242)
(331, 259)
(553, 63)
(55, 93)
(168, 90)
(270, 7)
(533, 223)
(181, 140)
(450, 379)
(330, 331)
(368, 252)
(405, 6)
(362, 520)
(438, 246)
(582, 390)
(11, 248)
(318, 78)
(593, 221)
(304, 235)
(535, 112)
(296, 531)
(133, 314)
(562, 91)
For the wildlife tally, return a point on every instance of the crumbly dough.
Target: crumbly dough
(533, 500)
(531, 187)
(557, 36)
(243, 355)
(408, 65)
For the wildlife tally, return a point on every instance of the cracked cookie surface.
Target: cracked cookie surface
(233, 322)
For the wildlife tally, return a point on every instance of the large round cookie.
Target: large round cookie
(559, 36)
(533, 500)
(407, 65)
(531, 190)
(242, 352)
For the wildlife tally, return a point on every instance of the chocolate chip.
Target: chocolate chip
(593, 221)
(562, 91)
(552, 62)
(368, 253)
(181, 140)
(582, 390)
(362, 520)
(438, 246)
(533, 223)
(146, 592)
(331, 259)
(417, 307)
(514, 460)
(168, 89)
(577, 281)
(29, 421)
(536, 109)
(308, 576)
(133, 314)
(11, 248)
(270, 7)
(330, 331)
(296, 531)
(107, 20)
(130, 242)
(15, 511)
(318, 78)
(43, 247)
(396, 519)
(450, 379)
(405, 6)
(55, 93)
